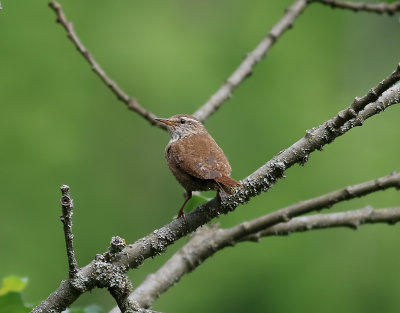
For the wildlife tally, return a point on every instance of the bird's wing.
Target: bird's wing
(200, 156)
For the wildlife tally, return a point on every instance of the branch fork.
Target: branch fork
(105, 273)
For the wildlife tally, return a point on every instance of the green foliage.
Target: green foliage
(11, 298)
(13, 283)
(11, 302)
(10, 295)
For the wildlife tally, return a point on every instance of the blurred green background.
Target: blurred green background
(60, 125)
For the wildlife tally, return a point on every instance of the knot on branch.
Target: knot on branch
(117, 244)
(107, 275)
(309, 133)
(66, 200)
(80, 282)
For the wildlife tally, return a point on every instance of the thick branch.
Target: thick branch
(121, 95)
(382, 7)
(246, 67)
(210, 240)
(67, 205)
(261, 180)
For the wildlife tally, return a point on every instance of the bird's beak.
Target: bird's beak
(165, 121)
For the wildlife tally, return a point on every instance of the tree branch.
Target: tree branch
(261, 180)
(67, 205)
(380, 8)
(126, 305)
(359, 104)
(191, 255)
(352, 219)
(121, 95)
(208, 241)
(315, 139)
(246, 67)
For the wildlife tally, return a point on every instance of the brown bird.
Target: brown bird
(195, 159)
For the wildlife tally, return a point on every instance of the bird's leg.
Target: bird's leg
(188, 196)
(220, 190)
(219, 198)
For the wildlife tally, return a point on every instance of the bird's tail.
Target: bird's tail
(227, 183)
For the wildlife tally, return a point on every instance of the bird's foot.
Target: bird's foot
(181, 214)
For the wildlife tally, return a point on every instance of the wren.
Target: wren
(195, 159)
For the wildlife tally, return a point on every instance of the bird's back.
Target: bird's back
(198, 155)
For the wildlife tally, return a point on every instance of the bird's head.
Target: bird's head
(182, 125)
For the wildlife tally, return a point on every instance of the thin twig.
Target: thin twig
(380, 8)
(246, 67)
(352, 219)
(261, 180)
(1, 7)
(121, 95)
(212, 240)
(360, 103)
(67, 205)
(387, 99)
(286, 22)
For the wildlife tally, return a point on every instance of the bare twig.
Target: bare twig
(209, 241)
(352, 219)
(67, 205)
(388, 98)
(262, 179)
(121, 95)
(382, 7)
(360, 103)
(245, 68)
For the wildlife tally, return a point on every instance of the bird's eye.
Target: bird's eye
(183, 121)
